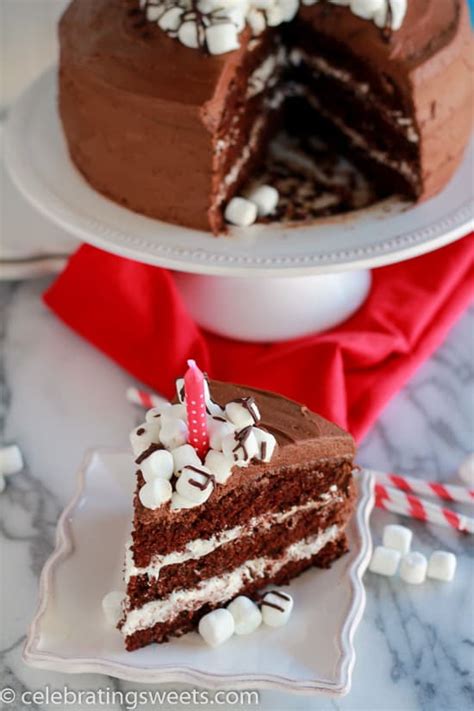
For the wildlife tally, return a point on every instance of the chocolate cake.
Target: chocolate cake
(271, 499)
(168, 105)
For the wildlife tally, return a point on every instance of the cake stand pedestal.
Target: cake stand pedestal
(259, 309)
(265, 282)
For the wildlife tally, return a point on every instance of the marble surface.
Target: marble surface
(59, 397)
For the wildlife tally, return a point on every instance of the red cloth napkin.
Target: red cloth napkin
(134, 314)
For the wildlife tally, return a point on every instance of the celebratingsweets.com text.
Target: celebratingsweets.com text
(129, 700)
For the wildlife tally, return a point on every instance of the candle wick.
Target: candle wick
(192, 363)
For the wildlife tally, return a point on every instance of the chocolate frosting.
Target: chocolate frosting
(141, 110)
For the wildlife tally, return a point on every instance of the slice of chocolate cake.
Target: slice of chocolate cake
(270, 499)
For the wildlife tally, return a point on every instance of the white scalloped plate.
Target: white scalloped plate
(389, 232)
(314, 653)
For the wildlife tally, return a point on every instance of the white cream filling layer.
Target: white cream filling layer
(203, 546)
(358, 140)
(359, 88)
(224, 587)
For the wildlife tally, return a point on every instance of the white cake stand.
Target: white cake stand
(267, 282)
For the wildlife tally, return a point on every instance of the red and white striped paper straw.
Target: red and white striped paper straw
(145, 399)
(410, 505)
(412, 485)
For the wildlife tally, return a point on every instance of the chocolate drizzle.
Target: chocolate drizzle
(148, 452)
(249, 404)
(241, 438)
(210, 478)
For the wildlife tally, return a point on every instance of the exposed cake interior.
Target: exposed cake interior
(312, 86)
(266, 523)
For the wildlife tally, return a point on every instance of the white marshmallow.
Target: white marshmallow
(243, 413)
(159, 465)
(197, 486)
(367, 8)
(155, 493)
(266, 444)
(174, 412)
(219, 465)
(276, 608)
(216, 627)
(237, 16)
(153, 12)
(265, 198)
(217, 431)
(240, 447)
(174, 433)
(3, 483)
(466, 470)
(171, 19)
(274, 16)
(263, 4)
(385, 561)
(154, 415)
(11, 460)
(398, 8)
(247, 616)
(241, 212)
(179, 502)
(442, 566)
(145, 435)
(289, 9)
(112, 607)
(185, 456)
(188, 34)
(413, 568)
(398, 538)
(256, 22)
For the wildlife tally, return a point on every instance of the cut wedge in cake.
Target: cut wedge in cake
(271, 498)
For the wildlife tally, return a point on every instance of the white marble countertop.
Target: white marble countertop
(60, 397)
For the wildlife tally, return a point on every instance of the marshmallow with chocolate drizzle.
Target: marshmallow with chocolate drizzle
(214, 26)
(162, 451)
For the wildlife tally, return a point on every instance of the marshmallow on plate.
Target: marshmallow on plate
(265, 198)
(173, 433)
(385, 561)
(145, 435)
(158, 465)
(243, 412)
(185, 456)
(217, 431)
(247, 616)
(397, 537)
(11, 460)
(219, 465)
(240, 447)
(241, 212)
(466, 470)
(266, 444)
(155, 493)
(216, 627)
(413, 568)
(276, 608)
(112, 607)
(195, 484)
(442, 566)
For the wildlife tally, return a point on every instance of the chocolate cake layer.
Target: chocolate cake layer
(253, 542)
(312, 455)
(187, 620)
(172, 132)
